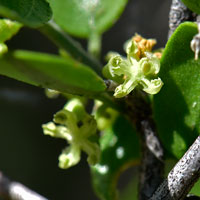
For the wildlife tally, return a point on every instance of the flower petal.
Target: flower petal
(56, 131)
(69, 157)
(125, 88)
(153, 86)
(149, 65)
(132, 51)
(118, 66)
(93, 152)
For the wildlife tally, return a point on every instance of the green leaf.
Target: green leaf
(177, 106)
(33, 13)
(52, 72)
(81, 17)
(72, 47)
(8, 28)
(195, 190)
(193, 5)
(131, 189)
(120, 150)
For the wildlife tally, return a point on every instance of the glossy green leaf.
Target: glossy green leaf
(177, 106)
(50, 71)
(120, 150)
(81, 17)
(193, 5)
(33, 13)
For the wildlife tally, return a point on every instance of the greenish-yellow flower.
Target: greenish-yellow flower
(134, 71)
(77, 127)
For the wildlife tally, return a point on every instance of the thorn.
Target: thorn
(195, 45)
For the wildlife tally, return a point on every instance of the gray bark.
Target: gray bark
(152, 165)
(178, 14)
(16, 191)
(182, 177)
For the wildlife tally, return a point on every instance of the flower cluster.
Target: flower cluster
(139, 68)
(79, 129)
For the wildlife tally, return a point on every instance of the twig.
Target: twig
(16, 191)
(64, 41)
(178, 14)
(152, 165)
(182, 177)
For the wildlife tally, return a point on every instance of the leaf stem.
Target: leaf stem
(64, 41)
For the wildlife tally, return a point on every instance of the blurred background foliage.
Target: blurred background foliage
(26, 155)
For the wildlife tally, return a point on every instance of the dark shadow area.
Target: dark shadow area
(148, 18)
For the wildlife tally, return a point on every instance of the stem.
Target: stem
(94, 44)
(64, 41)
(152, 165)
(16, 191)
(182, 177)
